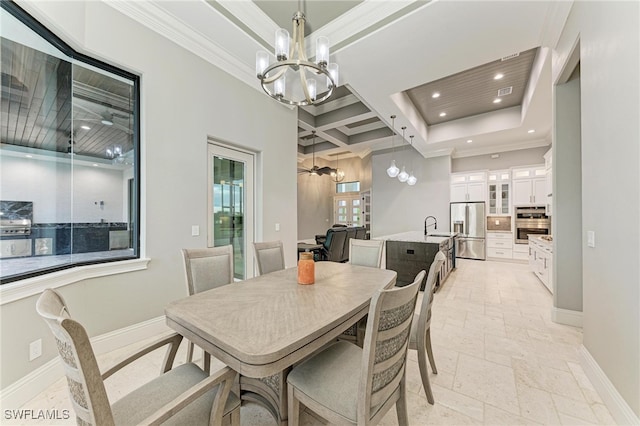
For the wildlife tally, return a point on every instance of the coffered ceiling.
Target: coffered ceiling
(392, 55)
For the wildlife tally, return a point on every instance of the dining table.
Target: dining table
(262, 326)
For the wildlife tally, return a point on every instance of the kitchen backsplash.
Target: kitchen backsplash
(498, 223)
(13, 210)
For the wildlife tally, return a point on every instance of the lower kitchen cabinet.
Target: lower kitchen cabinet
(500, 245)
(411, 252)
(541, 261)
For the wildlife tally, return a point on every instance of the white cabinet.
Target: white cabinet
(541, 261)
(529, 186)
(500, 245)
(498, 192)
(468, 186)
(548, 167)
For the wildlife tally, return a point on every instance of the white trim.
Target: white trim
(620, 410)
(501, 148)
(23, 390)
(566, 317)
(154, 17)
(31, 286)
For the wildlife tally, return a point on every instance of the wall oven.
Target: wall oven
(531, 221)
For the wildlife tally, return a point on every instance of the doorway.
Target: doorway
(231, 204)
(347, 210)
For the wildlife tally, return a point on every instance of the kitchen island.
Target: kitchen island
(410, 252)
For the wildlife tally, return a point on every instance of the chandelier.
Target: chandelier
(338, 174)
(293, 79)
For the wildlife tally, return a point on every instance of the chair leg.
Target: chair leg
(424, 373)
(294, 407)
(401, 405)
(430, 352)
(190, 352)
(235, 417)
(207, 362)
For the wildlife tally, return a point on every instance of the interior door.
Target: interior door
(230, 201)
(347, 210)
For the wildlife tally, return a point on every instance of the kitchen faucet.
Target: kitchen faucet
(435, 223)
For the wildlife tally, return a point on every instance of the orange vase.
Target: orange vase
(306, 269)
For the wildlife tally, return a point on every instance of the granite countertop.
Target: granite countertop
(419, 237)
(543, 242)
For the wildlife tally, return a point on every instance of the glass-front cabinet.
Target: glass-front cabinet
(499, 192)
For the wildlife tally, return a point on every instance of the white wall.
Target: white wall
(520, 157)
(398, 207)
(567, 199)
(185, 100)
(50, 185)
(315, 193)
(315, 202)
(609, 79)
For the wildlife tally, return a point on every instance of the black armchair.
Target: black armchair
(333, 246)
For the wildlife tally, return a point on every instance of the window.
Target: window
(69, 158)
(348, 187)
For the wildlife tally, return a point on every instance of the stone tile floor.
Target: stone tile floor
(500, 358)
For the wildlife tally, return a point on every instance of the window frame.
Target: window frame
(94, 265)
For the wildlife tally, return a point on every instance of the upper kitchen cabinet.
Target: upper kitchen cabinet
(529, 186)
(468, 186)
(499, 192)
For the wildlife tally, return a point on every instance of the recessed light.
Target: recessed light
(497, 100)
(435, 95)
(469, 140)
(95, 165)
(498, 76)
(442, 114)
(531, 131)
(85, 127)
(29, 156)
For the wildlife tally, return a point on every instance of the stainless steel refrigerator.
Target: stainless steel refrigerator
(468, 220)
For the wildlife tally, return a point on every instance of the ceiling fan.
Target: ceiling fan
(315, 170)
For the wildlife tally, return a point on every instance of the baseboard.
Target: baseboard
(618, 407)
(566, 317)
(20, 392)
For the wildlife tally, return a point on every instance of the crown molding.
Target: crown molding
(151, 15)
(500, 148)
(357, 19)
(252, 16)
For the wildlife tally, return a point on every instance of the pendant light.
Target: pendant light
(338, 174)
(403, 175)
(393, 170)
(412, 179)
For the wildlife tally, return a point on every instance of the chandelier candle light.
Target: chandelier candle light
(403, 176)
(393, 170)
(292, 78)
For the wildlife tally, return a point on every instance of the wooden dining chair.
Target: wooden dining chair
(207, 268)
(270, 256)
(421, 328)
(366, 252)
(346, 384)
(179, 396)
(362, 253)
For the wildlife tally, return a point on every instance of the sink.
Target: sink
(439, 235)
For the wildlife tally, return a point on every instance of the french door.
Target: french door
(347, 210)
(230, 201)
